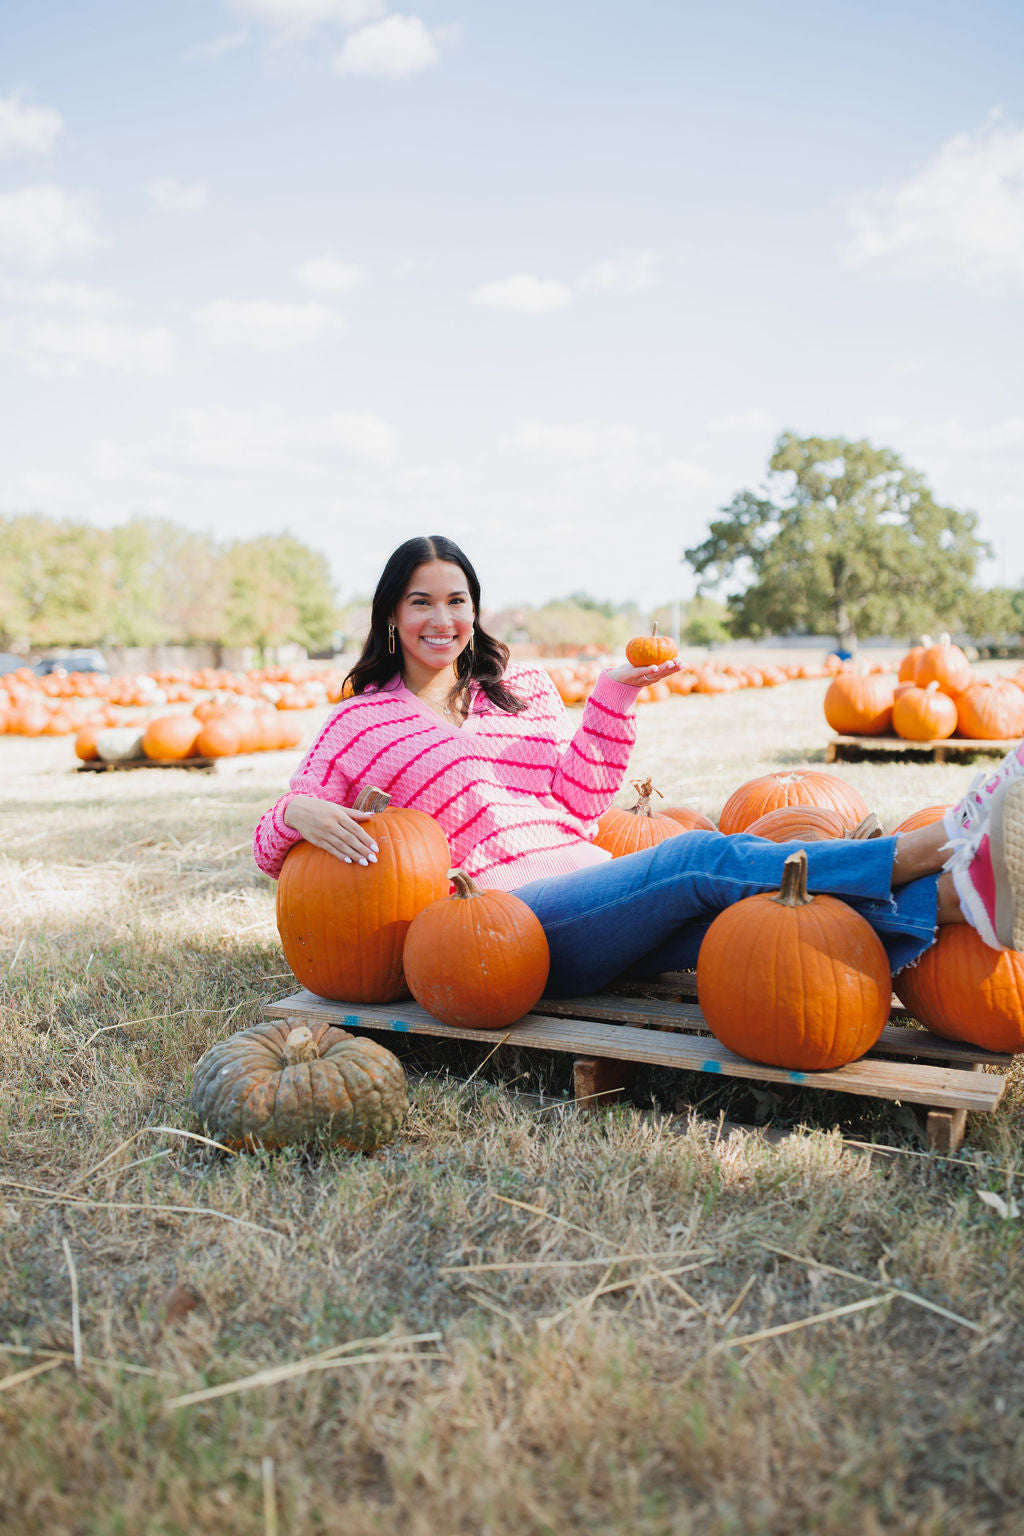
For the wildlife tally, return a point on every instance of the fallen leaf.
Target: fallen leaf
(1007, 1209)
(179, 1301)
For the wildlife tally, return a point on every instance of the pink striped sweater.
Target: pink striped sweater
(517, 798)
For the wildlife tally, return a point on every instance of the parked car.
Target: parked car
(11, 663)
(72, 661)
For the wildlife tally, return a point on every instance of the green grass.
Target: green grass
(583, 1392)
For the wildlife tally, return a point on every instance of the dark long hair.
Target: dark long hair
(483, 662)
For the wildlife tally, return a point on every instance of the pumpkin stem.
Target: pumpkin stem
(370, 799)
(464, 884)
(794, 881)
(654, 629)
(645, 790)
(869, 827)
(300, 1046)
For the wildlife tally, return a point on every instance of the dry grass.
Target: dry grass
(516, 1318)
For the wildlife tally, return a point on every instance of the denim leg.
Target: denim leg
(652, 908)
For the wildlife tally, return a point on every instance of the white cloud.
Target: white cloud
(573, 441)
(43, 224)
(388, 49)
(240, 443)
(172, 196)
(78, 298)
(754, 422)
(326, 274)
(25, 129)
(629, 272)
(962, 213)
(300, 17)
(72, 346)
(217, 47)
(528, 294)
(264, 325)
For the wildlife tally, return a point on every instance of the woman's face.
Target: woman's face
(434, 616)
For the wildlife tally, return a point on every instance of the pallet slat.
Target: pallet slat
(840, 747)
(937, 1087)
(203, 764)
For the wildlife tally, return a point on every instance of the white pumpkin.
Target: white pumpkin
(120, 744)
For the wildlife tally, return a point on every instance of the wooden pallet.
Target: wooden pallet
(608, 1033)
(203, 764)
(842, 748)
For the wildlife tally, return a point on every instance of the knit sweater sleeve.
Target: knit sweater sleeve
(320, 774)
(591, 764)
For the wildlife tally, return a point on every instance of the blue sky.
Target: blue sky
(547, 278)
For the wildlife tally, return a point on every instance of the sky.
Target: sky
(547, 278)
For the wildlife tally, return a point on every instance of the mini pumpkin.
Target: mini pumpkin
(794, 980)
(277, 1086)
(650, 650)
(478, 959)
(622, 831)
(343, 926)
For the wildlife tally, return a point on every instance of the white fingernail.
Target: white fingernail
(373, 858)
(362, 861)
(347, 859)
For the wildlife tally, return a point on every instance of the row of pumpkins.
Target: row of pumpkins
(936, 695)
(212, 730)
(576, 683)
(791, 980)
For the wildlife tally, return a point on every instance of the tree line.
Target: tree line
(151, 582)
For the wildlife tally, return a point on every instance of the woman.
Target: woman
(440, 721)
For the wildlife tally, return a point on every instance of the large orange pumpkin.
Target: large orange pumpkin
(343, 926)
(218, 738)
(924, 714)
(627, 831)
(945, 664)
(858, 705)
(922, 818)
(794, 980)
(171, 737)
(791, 786)
(478, 959)
(799, 823)
(991, 710)
(963, 990)
(912, 660)
(689, 819)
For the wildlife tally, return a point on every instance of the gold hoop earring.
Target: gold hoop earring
(391, 639)
(469, 647)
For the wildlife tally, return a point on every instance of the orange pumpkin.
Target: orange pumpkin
(924, 714)
(792, 786)
(859, 705)
(963, 990)
(650, 650)
(627, 831)
(992, 710)
(799, 823)
(218, 738)
(171, 737)
(794, 980)
(85, 742)
(945, 664)
(923, 818)
(689, 819)
(477, 959)
(343, 926)
(912, 660)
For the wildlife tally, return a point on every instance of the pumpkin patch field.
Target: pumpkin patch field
(713, 1308)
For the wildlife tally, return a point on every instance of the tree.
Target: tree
(55, 582)
(279, 591)
(848, 538)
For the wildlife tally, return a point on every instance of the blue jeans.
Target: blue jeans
(647, 912)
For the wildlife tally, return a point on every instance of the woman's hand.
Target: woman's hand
(639, 677)
(332, 828)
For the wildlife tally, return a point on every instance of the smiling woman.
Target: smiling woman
(441, 723)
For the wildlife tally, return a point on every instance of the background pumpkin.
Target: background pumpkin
(343, 926)
(689, 819)
(946, 664)
(924, 714)
(478, 959)
(858, 705)
(991, 710)
(793, 786)
(922, 818)
(275, 1086)
(794, 980)
(170, 738)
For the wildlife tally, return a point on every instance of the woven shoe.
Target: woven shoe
(988, 869)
